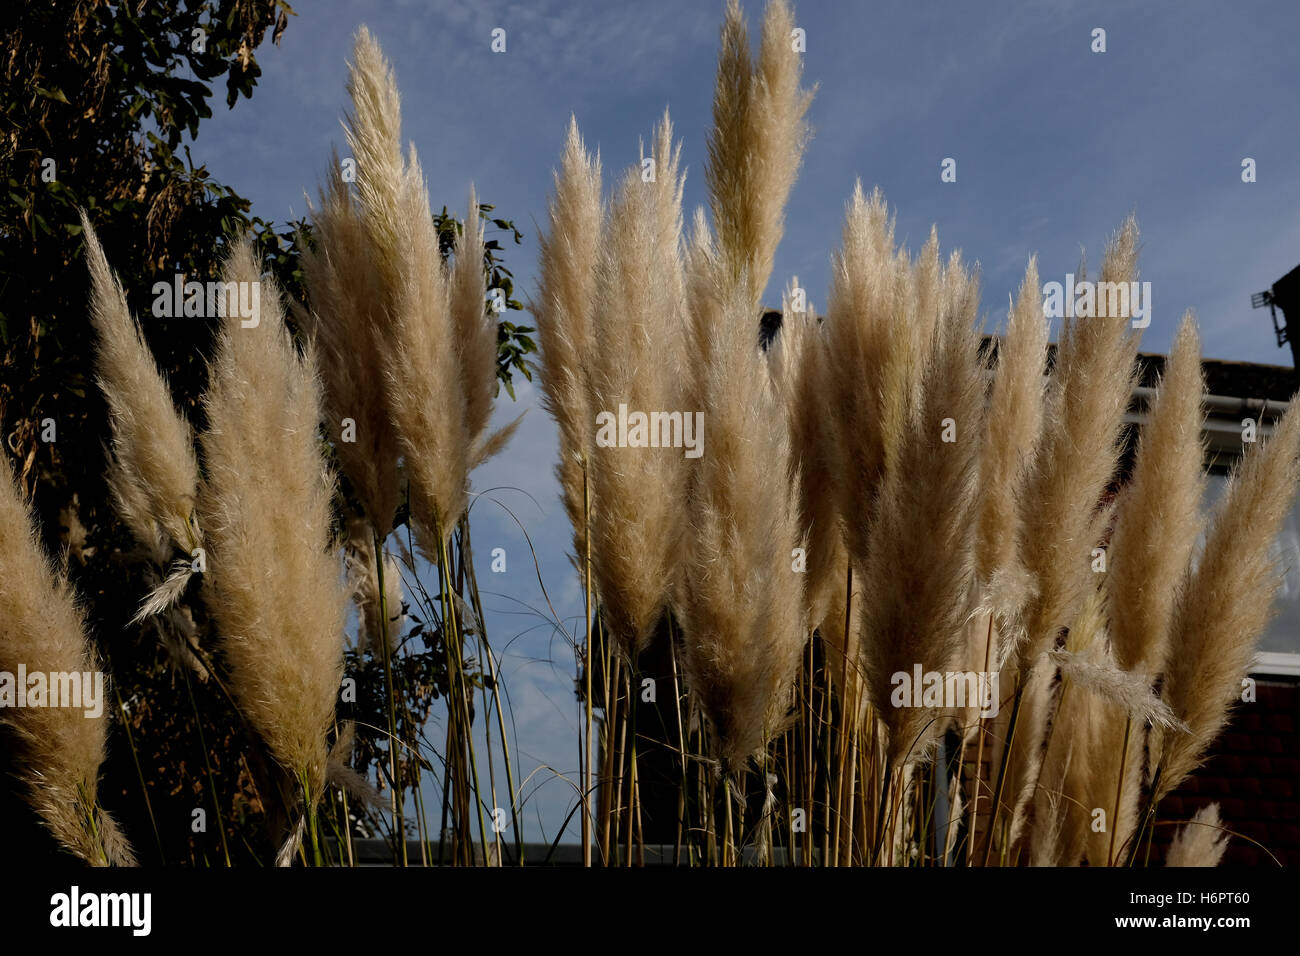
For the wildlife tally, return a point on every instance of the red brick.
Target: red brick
(1258, 766)
(1286, 767)
(1235, 742)
(1287, 835)
(1271, 810)
(1277, 787)
(1233, 809)
(1248, 786)
(1248, 719)
(1229, 765)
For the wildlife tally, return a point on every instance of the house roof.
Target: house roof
(1252, 381)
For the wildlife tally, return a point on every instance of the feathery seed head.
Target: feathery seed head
(273, 583)
(154, 472)
(60, 748)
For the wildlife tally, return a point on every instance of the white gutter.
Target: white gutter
(1276, 664)
(1228, 403)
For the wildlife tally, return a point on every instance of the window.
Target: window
(1279, 645)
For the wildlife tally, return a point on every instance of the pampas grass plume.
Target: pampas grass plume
(757, 142)
(154, 473)
(564, 309)
(1201, 841)
(273, 583)
(1227, 600)
(59, 749)
(741, 607)
(1158, 516)
(349, 325)
(636, 520)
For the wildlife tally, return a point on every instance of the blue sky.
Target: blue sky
(1054, 145)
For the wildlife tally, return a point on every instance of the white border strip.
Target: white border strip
(1277, 663)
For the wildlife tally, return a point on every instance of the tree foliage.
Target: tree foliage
(100, 104)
